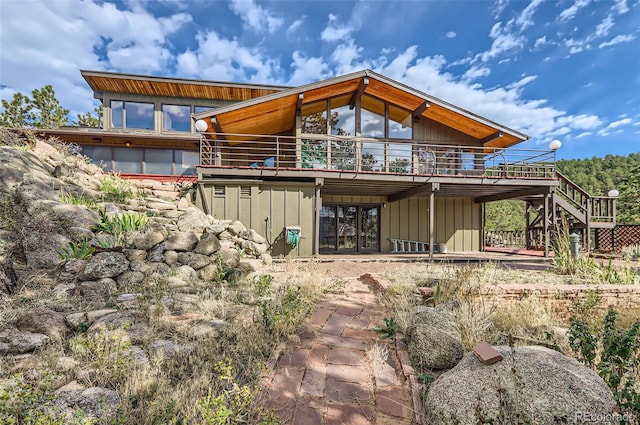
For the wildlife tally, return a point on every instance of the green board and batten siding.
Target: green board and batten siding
(267, 209)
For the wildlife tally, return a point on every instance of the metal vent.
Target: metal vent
(219, 191)
(245, 191)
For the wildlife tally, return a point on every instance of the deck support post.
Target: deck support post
(318, 207)
(545, 212)
(432, 196)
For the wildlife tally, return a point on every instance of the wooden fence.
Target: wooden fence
(617, 238)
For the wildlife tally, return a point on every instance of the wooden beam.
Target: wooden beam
(218, 128)
(299, 104)
(491, 137)
(361, 88)
(415, 192)
(513, 194)
(420, 109)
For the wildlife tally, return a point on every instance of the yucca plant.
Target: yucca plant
(80, 250)
(121, 223)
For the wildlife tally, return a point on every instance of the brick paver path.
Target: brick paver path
(328, 375)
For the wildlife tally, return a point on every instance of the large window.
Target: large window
(132, 115)
(176, 118)
(143, 160)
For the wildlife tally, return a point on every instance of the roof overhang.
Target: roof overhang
(273, 113)
(113, 82)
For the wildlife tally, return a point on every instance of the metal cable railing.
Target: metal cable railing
(359, 154)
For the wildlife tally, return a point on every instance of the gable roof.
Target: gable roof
(274, 113)
(101, 81)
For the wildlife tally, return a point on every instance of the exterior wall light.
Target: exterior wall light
(613, 193)
(555, 145)
(201, 126)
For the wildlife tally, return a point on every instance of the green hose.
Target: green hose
(293, 237)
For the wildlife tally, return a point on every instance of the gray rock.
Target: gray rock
(175, 282)
(71, 215)
(531, 385)
(64, 290)
(193, 220)
(139, 266)
(42, 321)
(157, 269)
(156, 254)
(42, 249)
(229, 257)
(98, 288)
(170, 257)
(14, 341)
(150, 236)
(250, 265)
(253, 248)
(218, 228)
(438, 317)
(266, 259)
(75, 319)
(130, 278)
(236, 228)
(95, 402)
(181, 241)
(75, 265)
(186, 273)
(254, 236)
(137, 356)
(195, 261)
(105, 264)
(208, 273)
(128, 320)
(136, 254)
(167, 349)
(207, 245)
(433, 348)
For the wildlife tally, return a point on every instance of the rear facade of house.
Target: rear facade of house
(354, 164)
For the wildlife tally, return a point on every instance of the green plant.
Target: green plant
(121, 223)
(388, 330)
(116, 189)
(79, 250)
(286, 309)
(611, 350)
(69, 198)
(235, 405)
(631, 252)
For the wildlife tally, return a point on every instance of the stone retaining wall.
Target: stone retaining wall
(624, 298)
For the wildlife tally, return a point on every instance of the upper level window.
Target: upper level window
(400, 123)
(343, 118)
(314, 118)
(132, 115)
(176, 118)
(372, 114)
(199, 109)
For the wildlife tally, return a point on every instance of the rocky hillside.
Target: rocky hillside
(113, 294)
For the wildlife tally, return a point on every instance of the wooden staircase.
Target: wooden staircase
(571, 207)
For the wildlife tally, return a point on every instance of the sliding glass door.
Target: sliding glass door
(349, 228)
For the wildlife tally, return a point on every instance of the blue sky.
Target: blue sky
(567, 70)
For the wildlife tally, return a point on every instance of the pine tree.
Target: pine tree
(16, 112)
(47, 111)
(88, 119)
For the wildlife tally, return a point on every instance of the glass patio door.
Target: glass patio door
(349, 228)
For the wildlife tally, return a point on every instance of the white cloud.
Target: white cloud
(570, 12)
(295, 25)
(476, 72)
(525, 19)
(540, 42)
(217, 58)
(620, 6)
(47, 42)
(451, 34)
(618, 39)
(616, 124)
(307, 69)
(255, 16)
(603, 27)
(335, 32)
(584, 134)
(503, 40)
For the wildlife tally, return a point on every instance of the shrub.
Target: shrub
(69, 198)
(611, 350)
(116, 189)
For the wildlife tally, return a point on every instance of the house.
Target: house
(353, 164)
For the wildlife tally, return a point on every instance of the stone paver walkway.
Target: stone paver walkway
(330, 375)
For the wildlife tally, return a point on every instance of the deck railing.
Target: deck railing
(360, 154)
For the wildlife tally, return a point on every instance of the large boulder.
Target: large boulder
(434, 340)
(531, 385)
(207, 245)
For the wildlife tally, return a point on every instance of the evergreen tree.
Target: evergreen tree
(88, 119)
(629, 198)
(47, 111)
(43, 110)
